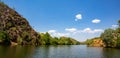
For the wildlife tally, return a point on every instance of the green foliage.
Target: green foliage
(46, 39)
(89, 41)
(54, 41)
(109, 37)
(14, 28)
(42, 40)
(9, 24)
(4, 37)
(19, 40)
(118, 37)
(118, 42)
(26, 36)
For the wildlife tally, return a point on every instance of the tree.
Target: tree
(47, 38)
(54, 41)
(109, 38)
(118, 41)
(118, 34)
(89, 42)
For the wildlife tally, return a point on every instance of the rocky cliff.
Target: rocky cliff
(95, 42)
(14, 29)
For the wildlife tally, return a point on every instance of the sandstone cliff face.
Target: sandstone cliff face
(16, 27)
(95, 42)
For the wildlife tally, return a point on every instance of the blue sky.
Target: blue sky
(79, 19)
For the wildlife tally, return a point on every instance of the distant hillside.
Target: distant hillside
(47, 39)
(14, 29)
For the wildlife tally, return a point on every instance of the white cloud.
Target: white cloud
(89, 30)
(86, 33)
(80, 35)
(86, 30)
(54, 33)
(71, 29)
(114, 26)
(51, 31)
(62, 34)
(78, 17)
(98, 30)
(96, 21)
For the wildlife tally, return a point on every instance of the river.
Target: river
(59, 51)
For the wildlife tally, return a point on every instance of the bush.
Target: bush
(4, 37)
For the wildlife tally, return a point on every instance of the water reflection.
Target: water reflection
(59, 51)
(94, 52)
(51, 51)
(111, 53)
(16, 51)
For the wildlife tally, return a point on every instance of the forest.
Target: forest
(46, 39)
